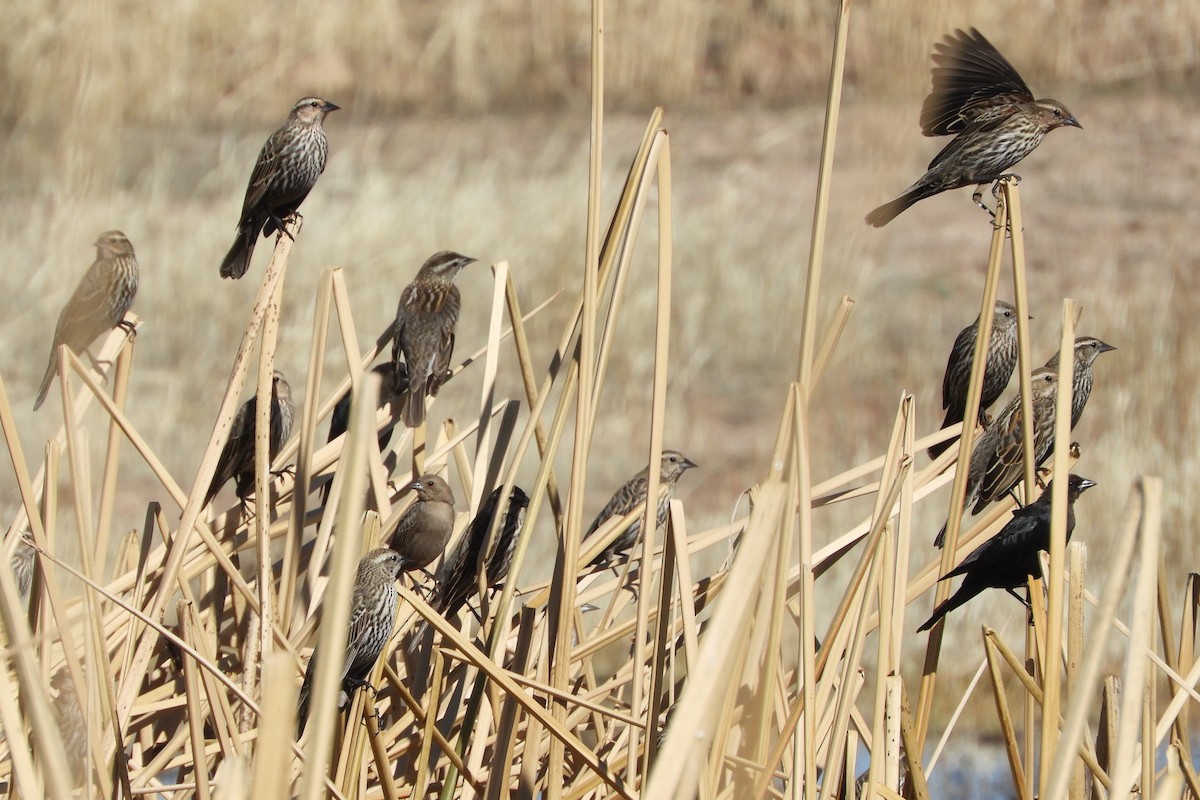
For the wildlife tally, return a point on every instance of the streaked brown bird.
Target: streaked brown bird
(1009, 557)
(372, 615)
(288, 166)
(672, 466)
(98, 303)
(394, 382)
(981, 99)
(1001, 361)
(1087, 349)
(425, 321)
(425, 528)
(237, 457)
(22, 563)
(458, 578)
(998, 458)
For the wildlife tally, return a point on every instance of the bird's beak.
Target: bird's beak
(1070, 120)
(331, 107)
(1085, 484)
(689, 464)
(1104, 347)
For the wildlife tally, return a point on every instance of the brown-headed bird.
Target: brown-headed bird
(458, 578)
(979, 98)
(288, 166)
(237, 457)
(1001, 361)
(1009, 557)
(372, 615)
(98, 303)
(425, 528)
(671, 467)
(425, 321)
(1087, 348)
(998, 457)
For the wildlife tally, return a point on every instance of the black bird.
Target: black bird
(458, 579)
(237, 457)
(372, 614)
(1009, 557)
(394, 383)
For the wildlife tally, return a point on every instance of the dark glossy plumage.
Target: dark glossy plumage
(237, 457)
(633, 492)
(97, 305)
(458, 579)
(996, 122)
(425, 320)
(393, 382)
(1008, 558)
(288, 166)
(1001, 361)
(425, 528)
(1087, 349)
(372, 615)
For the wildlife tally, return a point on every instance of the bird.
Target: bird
(633, 492)
(423, 531)
(425, 321)
(98, 303)
(237, 457)
(458, 578)
(288, 166)
(981, 99)
(1005, 560)
(1001, 361)
(372, 615)
(998, 457)
(394, 381)
(1087, 349)
(21, 562)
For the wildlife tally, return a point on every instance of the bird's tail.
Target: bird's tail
(302, 700)
(940, 540)
(237, 260)
(951, 603)
(952, 416)
(893, 208)
(413, 411)
(46, 380)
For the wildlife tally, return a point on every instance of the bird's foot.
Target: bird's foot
(129, 327)
(289, 470)
(281, 223)
(977, 198)
(352, 684)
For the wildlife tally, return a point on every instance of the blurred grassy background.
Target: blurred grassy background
(465, 127)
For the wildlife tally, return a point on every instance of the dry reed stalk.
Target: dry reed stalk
(957, 500)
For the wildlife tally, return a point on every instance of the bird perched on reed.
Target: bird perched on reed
(22, 563)
(425, 320)
(288, 166)
(372, 615)
(97, 305)
(1001, 361)
(998, 457)
(394, 382)
(979, 98)
(671, 467)
(1009, 557)
(458, 578)
(237, 457)
(425, 528)
(1087, 349)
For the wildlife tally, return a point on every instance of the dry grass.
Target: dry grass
(1108, 219)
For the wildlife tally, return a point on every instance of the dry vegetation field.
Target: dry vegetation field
(466, 127)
